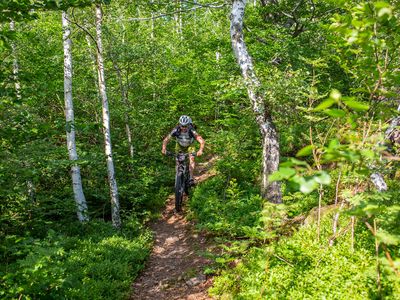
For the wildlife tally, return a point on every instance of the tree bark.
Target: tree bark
(115, 212)
(270, 155)
(82, 209)
(15, 65)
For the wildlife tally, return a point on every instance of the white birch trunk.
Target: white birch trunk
(178, 18)
(15, 65)
(69, 116)
(115, 213)
(270, 160)
(153, 63)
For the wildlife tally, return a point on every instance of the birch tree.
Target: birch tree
(115, 214)
(270, 144)
(15, 64)
(69, 116)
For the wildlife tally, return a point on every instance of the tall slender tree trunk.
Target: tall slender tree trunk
(153, 64)
(178, 17)
(15, 65)
(115, 213)
(270, 155)
(69, 116)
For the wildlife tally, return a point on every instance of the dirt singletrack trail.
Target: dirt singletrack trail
(175, 267)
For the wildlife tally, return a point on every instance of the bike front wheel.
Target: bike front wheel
(179, 189)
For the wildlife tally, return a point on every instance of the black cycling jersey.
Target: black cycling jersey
(185, 139)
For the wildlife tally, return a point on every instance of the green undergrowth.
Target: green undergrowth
(88, 261)
(227, 207)
(301, 267)
(221, 207)
(262, 255)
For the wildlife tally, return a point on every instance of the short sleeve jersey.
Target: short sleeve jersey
(185, 139)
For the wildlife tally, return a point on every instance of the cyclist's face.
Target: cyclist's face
(184, 128)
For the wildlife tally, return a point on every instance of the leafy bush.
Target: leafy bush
(300, 267)
(224, 208)
(95, 264)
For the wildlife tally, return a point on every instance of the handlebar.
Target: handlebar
(179, 154)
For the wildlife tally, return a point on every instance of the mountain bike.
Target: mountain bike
(182, 177)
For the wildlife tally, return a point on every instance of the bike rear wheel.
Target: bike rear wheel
(179, 189)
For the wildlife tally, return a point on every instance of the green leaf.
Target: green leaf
(368, 153)
(387, 238)
(371, 209)
(287, 172)
(325, 104)
(357, 23)
(385, 11)
(333, 144)
(305, 151)
(308, 186)
(299, 162)
(335, 95)
(336, 113)
(282, 173)
(323, 178)
(358, 106)
(293, 162)
(381, 4)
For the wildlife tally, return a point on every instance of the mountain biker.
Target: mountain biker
(185, 135)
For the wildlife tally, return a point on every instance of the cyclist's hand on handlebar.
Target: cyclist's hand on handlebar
(164, 151)
(199, 153)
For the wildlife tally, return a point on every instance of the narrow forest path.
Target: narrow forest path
(175, 267)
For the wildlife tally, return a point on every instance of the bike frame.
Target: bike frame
(181, 177)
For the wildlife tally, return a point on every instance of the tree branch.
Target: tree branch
(83, 29)
(161, 15)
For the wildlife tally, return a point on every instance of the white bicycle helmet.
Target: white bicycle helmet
(185, 120)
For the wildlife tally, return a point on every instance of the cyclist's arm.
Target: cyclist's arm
(165, 143)
(173, 133)
(202, 143)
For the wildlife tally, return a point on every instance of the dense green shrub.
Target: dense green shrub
(300, 267)
(222, 207)
(93, 262)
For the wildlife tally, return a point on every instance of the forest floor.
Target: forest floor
(175, 266)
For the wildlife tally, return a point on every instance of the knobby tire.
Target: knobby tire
(179, 189)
